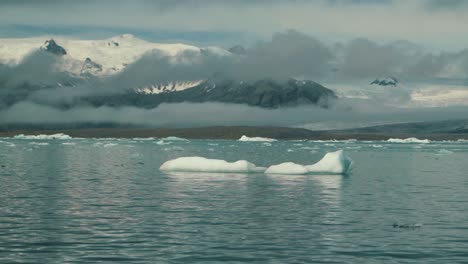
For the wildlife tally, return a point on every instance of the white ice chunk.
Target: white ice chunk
(333, 162)
(200, 164)
(409, 140)
(52, 136)
(256, 139)
(287, 168)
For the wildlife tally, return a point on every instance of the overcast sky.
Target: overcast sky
(436, 24)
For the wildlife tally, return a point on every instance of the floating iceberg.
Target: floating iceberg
(409, 140)
(333, 162)
(200, 164)
(52, 136)
(256, 139)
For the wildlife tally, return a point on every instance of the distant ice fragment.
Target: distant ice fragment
(175, 139)
(52, 136)
(256, 139)
(200, 164)
(409, 140)
(445, 152)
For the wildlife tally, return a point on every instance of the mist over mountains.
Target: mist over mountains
(60, 76)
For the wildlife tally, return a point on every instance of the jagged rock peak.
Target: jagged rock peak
(237, 49)
(389, 81)
(52, 47)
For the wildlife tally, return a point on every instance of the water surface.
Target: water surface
(91, 201)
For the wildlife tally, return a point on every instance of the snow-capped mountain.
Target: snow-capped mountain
(111, 54)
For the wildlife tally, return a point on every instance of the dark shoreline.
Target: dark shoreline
(231, 132)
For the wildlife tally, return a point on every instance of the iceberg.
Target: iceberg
(333, 162)
(200, 164)
(408, 140)
(256, 139)
(52, 136)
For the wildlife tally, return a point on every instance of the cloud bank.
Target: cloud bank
(434, 23)
(37, 91)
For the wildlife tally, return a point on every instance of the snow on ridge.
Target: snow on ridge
(113, 53)
(169, 87)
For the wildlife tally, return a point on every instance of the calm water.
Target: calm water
(105, 201)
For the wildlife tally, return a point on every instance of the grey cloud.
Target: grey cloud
(446, 4)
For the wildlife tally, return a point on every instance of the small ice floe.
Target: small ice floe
(376, 146)
(174, 139)
(200, 164)
(267, 144)
(353, 148)
(408, 226)
(162, 142)
(333, 162)
(444, 152)
(409, 140)
(290, 150)
(68, 143)
(108, 145)
(52, 136)
(213, 144)
(142, 139)
(256, 139)
(39, 143)
(8, 144)
(175, 148)
(309, 148)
